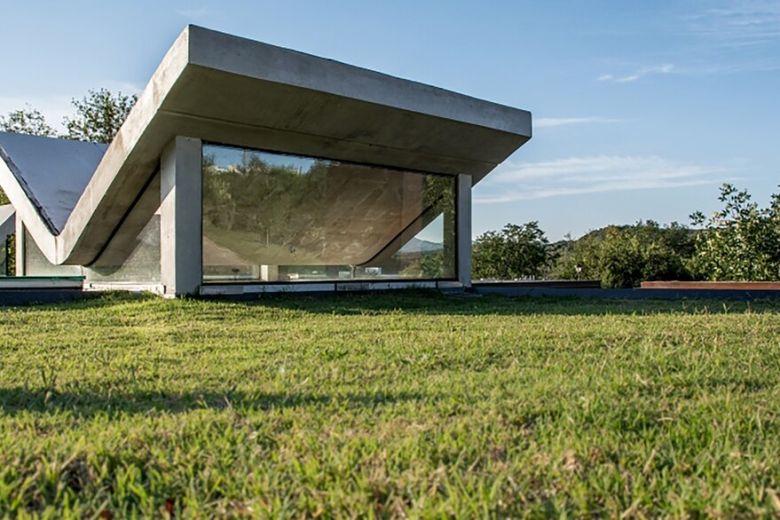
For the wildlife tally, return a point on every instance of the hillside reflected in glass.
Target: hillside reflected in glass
(273, 218)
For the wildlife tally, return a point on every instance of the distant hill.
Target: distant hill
(416, 245)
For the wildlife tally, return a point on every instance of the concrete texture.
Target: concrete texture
(463, 223)
(230, 90)
(180, 219)
(7, 222)
(20, 246)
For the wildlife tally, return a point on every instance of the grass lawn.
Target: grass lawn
(399, 404)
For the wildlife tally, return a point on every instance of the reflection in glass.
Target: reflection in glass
(273, 217)
(36, 263)
(132, 256)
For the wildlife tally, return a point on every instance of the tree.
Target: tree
(625, 256)
(26, 121)
(99, 115)
(517, 251)
(740, 241)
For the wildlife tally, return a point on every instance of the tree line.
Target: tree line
(740, 241)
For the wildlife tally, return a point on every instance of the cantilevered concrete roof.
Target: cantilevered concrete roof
(231, 90)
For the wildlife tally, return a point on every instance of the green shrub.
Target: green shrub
(624, 256)
(517, 251)
(740, 241)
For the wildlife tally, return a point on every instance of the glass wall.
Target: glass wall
(132, 256)
(7, 253)
(36, 263)
(271, 217)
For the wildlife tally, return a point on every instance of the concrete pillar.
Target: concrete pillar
(20, 245)
(463, 223)
(269, 273)
(181, 258)
(450, 238)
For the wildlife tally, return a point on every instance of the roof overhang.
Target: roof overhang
(234, 91)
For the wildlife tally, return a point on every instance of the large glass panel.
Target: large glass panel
(36, 263)
(6, 252)
(273, 217)
(132, 256)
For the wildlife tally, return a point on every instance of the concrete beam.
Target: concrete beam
(463, 223)
(181, 258)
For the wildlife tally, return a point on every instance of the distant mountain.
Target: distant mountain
(416, 245)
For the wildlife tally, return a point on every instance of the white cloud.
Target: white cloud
(592, 174)
(735, 38)
(551, 122)
(741, 67)
(747, 23)
(667, 68)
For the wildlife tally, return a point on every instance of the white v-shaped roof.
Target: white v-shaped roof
(229, 90)
(52, 172)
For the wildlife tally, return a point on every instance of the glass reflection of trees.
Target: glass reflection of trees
(269, 209)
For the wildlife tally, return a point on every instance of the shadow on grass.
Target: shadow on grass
(90, 403)
(434, 303)
(418, 302)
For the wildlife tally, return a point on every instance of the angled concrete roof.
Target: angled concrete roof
(231, 90)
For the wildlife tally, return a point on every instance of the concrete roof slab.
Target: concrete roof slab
(234, 91)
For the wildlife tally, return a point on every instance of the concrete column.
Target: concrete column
(181, 258)
(463, 223)
(450, 239)
(20, 245)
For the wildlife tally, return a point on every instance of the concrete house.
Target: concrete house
(246, 167)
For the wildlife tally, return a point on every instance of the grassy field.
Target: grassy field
(396, 405)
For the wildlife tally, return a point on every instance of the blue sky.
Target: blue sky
(640, 109)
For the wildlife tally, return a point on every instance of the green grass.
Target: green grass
(389, 405)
